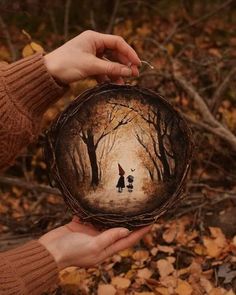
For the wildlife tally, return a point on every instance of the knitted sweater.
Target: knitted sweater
(26, 92)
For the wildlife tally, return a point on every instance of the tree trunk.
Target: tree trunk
(93, 158)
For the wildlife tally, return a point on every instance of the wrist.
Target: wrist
(54, 69)
(53, 249)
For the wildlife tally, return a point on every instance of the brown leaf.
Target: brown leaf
(170, 234)
(162, 291)
(183, 288)
(106, 290)
(120, 283)
(206, 284)
(216, 245)
(217, 291)
(166, 249)
(165, 267)
(144, 273)
(126, 253)
(140, 255)
(200, 250)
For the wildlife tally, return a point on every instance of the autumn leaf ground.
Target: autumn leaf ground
(192, 250)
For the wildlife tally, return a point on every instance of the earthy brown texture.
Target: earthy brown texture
(29, 269)
(133, 120)
(26, 92)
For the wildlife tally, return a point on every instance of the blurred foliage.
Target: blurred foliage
(200, 35)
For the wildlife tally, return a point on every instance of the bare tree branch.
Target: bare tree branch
(219, 92)
(28, 185)
(207, 15)
(113, 17)
(209, 123)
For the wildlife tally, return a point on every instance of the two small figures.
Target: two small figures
(121, 181)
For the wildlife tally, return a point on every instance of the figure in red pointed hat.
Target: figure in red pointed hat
(121, 181)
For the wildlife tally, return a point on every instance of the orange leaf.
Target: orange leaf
(106, 290)
(140, 255)
(165, 267)
(183, 288)
(162, 291)
(144, 273)
(120, 283)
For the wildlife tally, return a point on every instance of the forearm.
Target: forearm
(26, 92)
(29, 269)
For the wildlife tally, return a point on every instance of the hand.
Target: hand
(81, 245)
(83, 57)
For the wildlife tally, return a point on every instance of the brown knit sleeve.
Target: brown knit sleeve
(29, 269)
(26, 92)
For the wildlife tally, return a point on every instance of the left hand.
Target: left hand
(83, 57)
(76, 244)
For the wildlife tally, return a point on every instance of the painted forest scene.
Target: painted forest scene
(123, 150)
(120, 153)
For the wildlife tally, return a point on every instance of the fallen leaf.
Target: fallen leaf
(226, 273)
(140, 255)
(217, 291)
(170, 234)
(154, 251)
(126, 253)
(106, 290)
(165, 267)
(148, 240)
(32, 48)
(200, 250)
(206, 284)
(183, 288)
(144, 273)
(165, 249)
(120, 283)
(162, 291)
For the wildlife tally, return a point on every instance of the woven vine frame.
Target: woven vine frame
(119, 123)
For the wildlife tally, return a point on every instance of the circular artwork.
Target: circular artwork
(119, 155)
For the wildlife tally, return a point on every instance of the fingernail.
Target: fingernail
(126, 71)
(125, 232)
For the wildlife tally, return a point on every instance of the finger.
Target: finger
(117, 80)
(102, 78)
(135, 70)
(110, 236)
(116, 56)
(124, 60)
(125, 242)
(118, 43)
(104, 67)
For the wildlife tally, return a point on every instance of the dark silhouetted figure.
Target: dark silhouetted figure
(130, 180)
(121, 181)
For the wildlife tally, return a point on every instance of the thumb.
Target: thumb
(110, 236)
(109, 68)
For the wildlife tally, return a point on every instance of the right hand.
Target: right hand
(76, 244)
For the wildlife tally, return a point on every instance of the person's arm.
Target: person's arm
(27, 89)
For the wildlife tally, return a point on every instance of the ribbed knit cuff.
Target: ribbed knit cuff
(30, 86)
(34, 268)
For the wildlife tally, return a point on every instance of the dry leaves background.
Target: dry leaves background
(192, 45)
